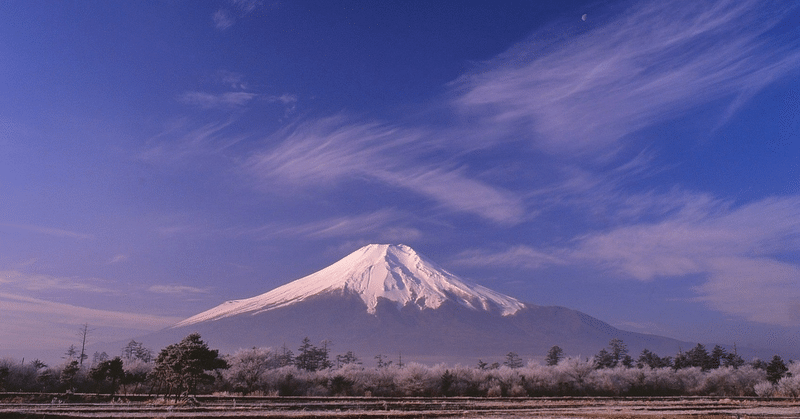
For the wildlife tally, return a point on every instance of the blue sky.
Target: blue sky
(641, 165)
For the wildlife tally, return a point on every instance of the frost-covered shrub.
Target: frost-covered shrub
(659, 382)
(20, 377)
(615, 381)
(246, 368)
(789, 386)
(466, 381)
(284, 381)
(729, 381)
(136, 373)
(539, 380)
(507, 378)
(416, 380)
(690, 381)
(494, 390)
(764, 389)
(572, 376)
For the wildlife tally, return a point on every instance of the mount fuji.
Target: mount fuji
(390, 300)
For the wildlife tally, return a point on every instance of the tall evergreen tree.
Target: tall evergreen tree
(347, 358)
(616, 354)
(650, 359)
(699, 357)
(618, 350)
(776, 369)
(513, 360)
(554, 355)
(68, 374)
(182, 366)
(718, 356)
(109, 370)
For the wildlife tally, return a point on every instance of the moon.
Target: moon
(583, 18)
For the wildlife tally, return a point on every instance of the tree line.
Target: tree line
(191, 367)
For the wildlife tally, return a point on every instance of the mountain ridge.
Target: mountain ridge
(387, 299)
(392, 272)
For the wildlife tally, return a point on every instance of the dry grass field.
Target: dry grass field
(51, 406)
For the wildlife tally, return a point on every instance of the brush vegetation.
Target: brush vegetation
(190, 367)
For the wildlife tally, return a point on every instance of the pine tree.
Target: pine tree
(650, 359)
(347, 358)
(513, 360)
(616, 354)
(68, 374)
(446, 382)
(776, 369)
(109, 370)
(182, 366)
(619, 352)
(604, 359)
(285, 358)
(135, 350)
(554, 355)
(718, 355)
(71, 353)
(699, 357)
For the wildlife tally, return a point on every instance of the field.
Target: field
(51, 406)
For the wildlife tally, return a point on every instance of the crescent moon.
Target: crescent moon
(583, 18)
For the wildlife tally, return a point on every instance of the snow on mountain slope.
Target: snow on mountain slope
(394, 272)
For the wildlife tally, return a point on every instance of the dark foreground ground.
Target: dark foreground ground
(51, 406)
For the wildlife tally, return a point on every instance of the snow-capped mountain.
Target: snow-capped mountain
(377, 271)
(387, 299)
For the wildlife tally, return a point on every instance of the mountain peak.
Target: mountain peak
(392, 272)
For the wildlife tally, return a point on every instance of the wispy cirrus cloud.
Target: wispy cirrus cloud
(224, 18)
(41, 282)
(117, 259)
(329, 151)
(246, 6)
(55, 324)
(67, 313)
(385, 225)
(582, 90)
(746, 254)
(55, 232)
(226, 100)
(182, 143)
(177, 289)
(516, 256)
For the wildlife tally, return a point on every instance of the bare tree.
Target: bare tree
(83, 333)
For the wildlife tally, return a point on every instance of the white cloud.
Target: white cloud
(747, 254)
(516, 256)
(176, 289)
(222, 19)
(330, 151)
(41, 282)
(118, 258)
(55, 232)
(232, 79)
(182, 143)
(227, 100)
(757, 288)
(246, 6)
(285, 98)
(384, 225)
(694, 238)
(581, 92)
(34, 323)
(67, 313)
